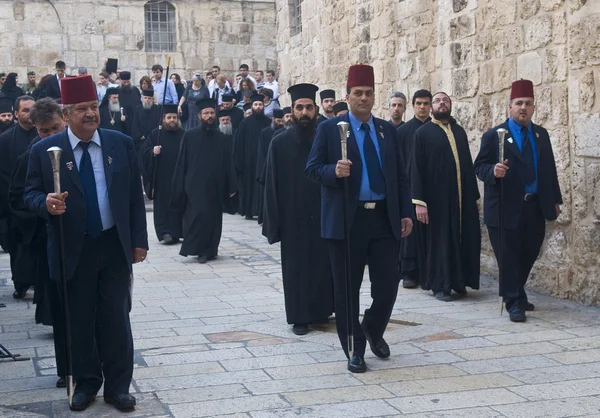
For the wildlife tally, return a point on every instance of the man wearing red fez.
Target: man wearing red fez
(104, 220)
(379, 211)
(531, 194)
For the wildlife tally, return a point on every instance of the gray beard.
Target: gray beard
(289, 124)
(114, 107)
(226, 129)
(147, 106)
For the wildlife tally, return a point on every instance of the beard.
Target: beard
(208, 125)
(226, 129)
(259, 113)
(276, 126)
(305, 127)
(114, 107)
(125, 88)
(172, 127)
(288, 124)
(442, 115)
(5, 125)
(147, 106)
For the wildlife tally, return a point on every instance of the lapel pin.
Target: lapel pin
(70, 165)
(381, 132)
(537, 134)
(510, 140)
(348, 134)
(109, 160)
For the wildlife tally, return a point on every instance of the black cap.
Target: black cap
(287, 110)
(247, 106)
(338, 107)
(148, 93)
(277, 113)
(112, 90)
(327, 94)
(205, 104)
(303, 91)
(257, 98)
(125, 75)
(224, 112)
(227, 98)
(6, 106)
(169, 108)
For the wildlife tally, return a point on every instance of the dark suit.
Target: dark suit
(52, 88)
(99, 269)
(524, 221)
(374, 233)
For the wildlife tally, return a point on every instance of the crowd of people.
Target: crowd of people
(403, 201)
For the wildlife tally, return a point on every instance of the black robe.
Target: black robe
(13, 143)
(129, 98)
(202, 182)
(144, 122)
(107, 123)
(166, 220)
(237, 116)
(266, 136)
(409, 250)
(453, 236)
(292, 216)
(245, 152)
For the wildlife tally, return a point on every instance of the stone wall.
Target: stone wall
(36, 33)
(473, 50)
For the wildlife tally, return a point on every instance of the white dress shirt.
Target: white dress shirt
(95, 150)
(273, 86)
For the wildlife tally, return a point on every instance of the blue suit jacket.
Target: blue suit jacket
(320, 167)
(124, 193)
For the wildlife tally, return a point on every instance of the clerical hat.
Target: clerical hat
(6, 105)
(303, 91)
(125, 75)
(361, 75)
(287, 110)
(338, 107)
(327, 94)
(257, 98)
(79, 89)
(227, 98)
(277, 113)
(521, 88)
(224, 112)
(205, 104)
(247, 106)
(169, 108)
(31, 73)
(148, 93)
(111, 90)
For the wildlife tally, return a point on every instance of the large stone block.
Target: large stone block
(552, 5)
(555, 65)
(560, 109)
(538, 32)
(464, 112)
(114, 42)
(500, 13)
(528, 8)
(583, 36)
(586, 241)
(594, 187)
(529, 66)
(497, 75)
(465, 82)
(586, 135)
(80, 43)
(462, 27)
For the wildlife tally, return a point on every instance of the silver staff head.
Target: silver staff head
(54, 153)
(501, 135)
(343, 129)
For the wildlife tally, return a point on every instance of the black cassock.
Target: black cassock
(405, 134)
(453, 236)
(237, 116)
(144, 122)
(266, 136)
(13, 143)
(166, 220)
(112, 120)
(129, 98)
(292, 216)
(202, 182)
(245, 152)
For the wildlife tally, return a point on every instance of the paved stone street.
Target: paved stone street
(211, 340)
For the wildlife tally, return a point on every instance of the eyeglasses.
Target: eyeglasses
(444, 100)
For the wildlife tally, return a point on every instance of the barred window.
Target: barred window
(295, 17)
(160, 26)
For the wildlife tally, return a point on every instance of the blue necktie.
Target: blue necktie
(527, 154)
(376, 178)
(93, 225)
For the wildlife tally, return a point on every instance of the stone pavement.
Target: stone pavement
(211, 340)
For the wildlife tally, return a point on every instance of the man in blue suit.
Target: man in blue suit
(104, 233)
(379, 212)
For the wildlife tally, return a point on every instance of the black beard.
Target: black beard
(258, 113)
(126, 87)
(442, 116)
(171, 128)
(305, 128)
(208, 126)
(276, 126)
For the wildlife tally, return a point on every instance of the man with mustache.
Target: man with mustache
(104, 224)
(531, 194)
(112, 115)
(444, 190)
(235, 113)
(327, 102)
(291, 216)
(288, 120)
(245, 154)
(203, 181)
(146, 118)
(6, 115)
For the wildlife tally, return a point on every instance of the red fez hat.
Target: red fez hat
(521, 88)
(361, 75)
(77, 89)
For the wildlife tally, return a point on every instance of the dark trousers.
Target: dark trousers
(521, 248)
(99, 304)
(372, 239)
(54, 299)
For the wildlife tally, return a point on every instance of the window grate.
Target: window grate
(296, 17)
(160, 27)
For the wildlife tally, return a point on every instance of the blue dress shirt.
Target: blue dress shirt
(159, 88)
(515, 129)
(95, 150)
(366, 194)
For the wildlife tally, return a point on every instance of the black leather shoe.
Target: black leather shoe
(202, 259)
(516, 314)
(357, 364)
(409, 283)
(300, 329)
(81, 401)
(168, 239)
(20, 293)
(61, 382)
(442, 296)
(123, 402)
(529, 307)
(381, 349)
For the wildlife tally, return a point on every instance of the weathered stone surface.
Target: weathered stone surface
(586, 135)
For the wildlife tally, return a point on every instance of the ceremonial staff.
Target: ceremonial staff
(54, 154)
(343, 129)
(501, 134)
(160, 124)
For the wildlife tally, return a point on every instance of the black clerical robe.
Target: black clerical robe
(129, 98)
(112, 120)
(409, 250)
(245, 152)
(292, 217)
(202, 183)
(266, 135)
(166, 220)
(13, 143)
(144, 122)
(443, 179)
(237, 116)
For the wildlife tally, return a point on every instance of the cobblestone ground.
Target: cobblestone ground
(211, 340)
